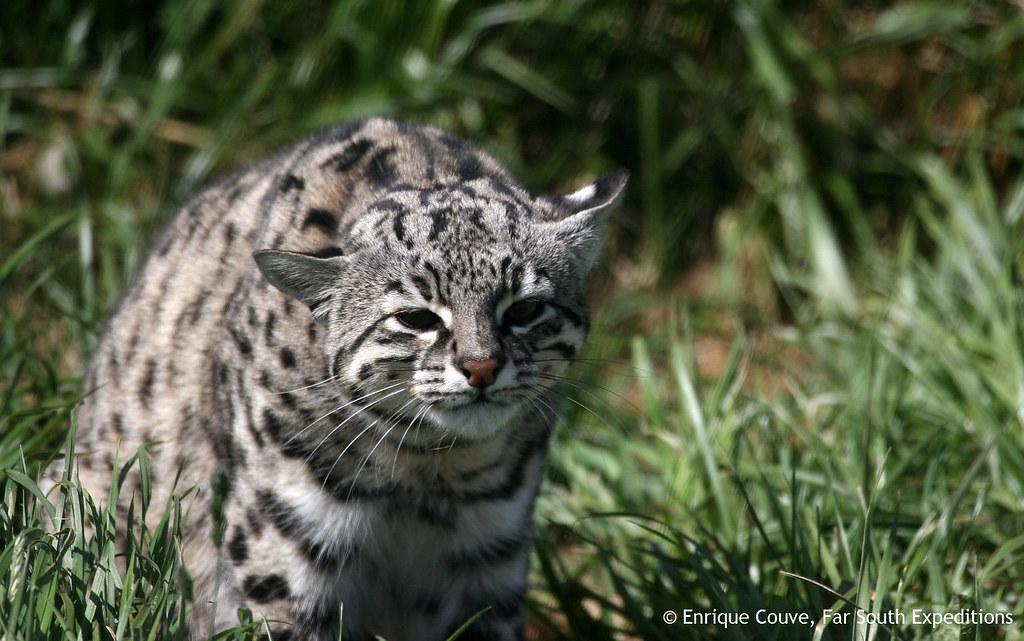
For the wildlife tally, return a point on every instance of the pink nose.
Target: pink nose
(480, 373)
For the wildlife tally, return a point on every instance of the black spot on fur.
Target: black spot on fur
(321, 218)
(336, 361)
(423, 287)
(224, 446)
(148, 379)
(250, 423)
(316, 304)
(565, 350)
(380, 170)
(289, 524)
(255, 520)
(236, 191)
(289, 401)
(437, 282)
(165, 245)
(580, 319)
(438, 222)
(290, 182)
(399, 227)
(516, 278)
(191, 313)
(241, 342)
(390, 206)
(470, 168)
(268, 327)
(117, 422)
(220, 370)
(272, 424)
(348, 158)
(287, 357)
(275, 427)
(238, 547)
(366, 334)
(263, 589)
(475, 216)
(272, 508)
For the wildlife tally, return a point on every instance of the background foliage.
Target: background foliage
(806, 383)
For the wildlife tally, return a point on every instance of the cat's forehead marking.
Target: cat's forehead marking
(450, 216)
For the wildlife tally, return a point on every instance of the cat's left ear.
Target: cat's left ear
(307, 278)
(580, 217)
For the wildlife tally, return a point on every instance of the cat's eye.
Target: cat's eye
(522, 312)
(419, 319)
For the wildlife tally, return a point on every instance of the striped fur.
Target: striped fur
(378, 383)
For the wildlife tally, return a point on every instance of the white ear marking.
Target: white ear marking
(582, 195)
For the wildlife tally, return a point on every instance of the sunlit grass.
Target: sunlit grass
(886, 479)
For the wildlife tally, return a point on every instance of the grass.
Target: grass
(804, 390)
(66, 582)
(886, 477)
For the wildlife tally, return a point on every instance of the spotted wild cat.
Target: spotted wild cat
(366, 332)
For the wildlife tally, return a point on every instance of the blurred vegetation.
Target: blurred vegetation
(808, 367)
(716, 107)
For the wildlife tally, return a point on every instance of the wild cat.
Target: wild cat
(366, 332)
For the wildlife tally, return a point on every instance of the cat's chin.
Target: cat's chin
(474, 421)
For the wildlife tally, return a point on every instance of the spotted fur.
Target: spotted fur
(366, 332)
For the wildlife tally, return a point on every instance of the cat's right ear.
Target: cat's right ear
(581, 215)
(309, 279)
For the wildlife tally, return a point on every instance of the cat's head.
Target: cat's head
(455, 309)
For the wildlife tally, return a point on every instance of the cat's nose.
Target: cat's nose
(480, 373)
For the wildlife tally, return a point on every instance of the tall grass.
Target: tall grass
(64, 581)
(886, 477)
(833, 422)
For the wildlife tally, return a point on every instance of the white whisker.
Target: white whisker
(576, 402)
(566, 381)
(358, 399)
(420, 413)
(310, 386)
(366, 459)
(339, 425)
